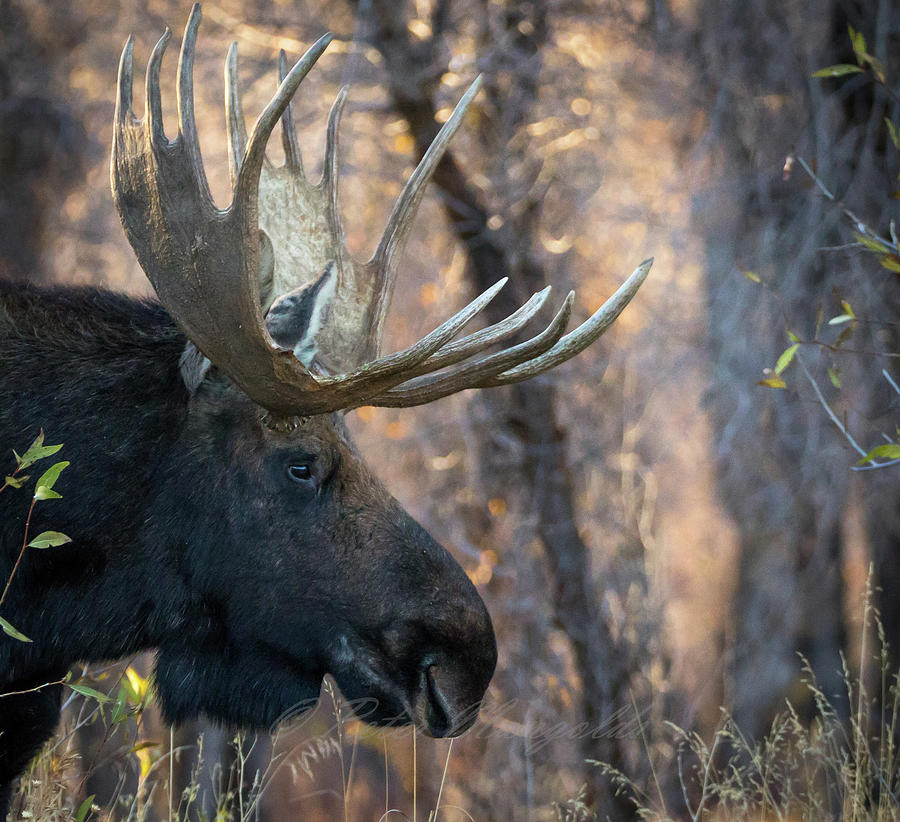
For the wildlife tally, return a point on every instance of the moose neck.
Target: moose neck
(97, 372)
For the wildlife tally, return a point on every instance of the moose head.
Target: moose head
(275, 553)
(268, 294)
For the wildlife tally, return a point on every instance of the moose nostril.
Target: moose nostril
(444, 705)
(438, 713)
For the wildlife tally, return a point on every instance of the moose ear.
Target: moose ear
(193, 366)
(295, 318)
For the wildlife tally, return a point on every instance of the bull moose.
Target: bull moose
(218, 508)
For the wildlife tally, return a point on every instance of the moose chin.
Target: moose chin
(219, 511)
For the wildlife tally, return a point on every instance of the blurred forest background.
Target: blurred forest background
(656, 534)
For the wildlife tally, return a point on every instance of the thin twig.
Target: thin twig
(21, 553)
(860, 226)
(32, 690)
(890, 379)
(840, 426)
(839, 349)
(831, 415)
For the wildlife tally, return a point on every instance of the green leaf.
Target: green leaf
(49, 539)
(792, 336)
(84, 808)
(894, 132)
(890, 451)
(773, 382)
(859, 43)
(43, 492)
(838, 70)
(835, 377)
(36, 451)
(84, 690)
(785, 359)
(16, 482)
(39, 454)
(10, 631)
(51, 475)
(877, 67)
(120, 710)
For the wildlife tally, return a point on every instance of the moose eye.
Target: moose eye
(300, 472)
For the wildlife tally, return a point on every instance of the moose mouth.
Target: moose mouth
(381, 695)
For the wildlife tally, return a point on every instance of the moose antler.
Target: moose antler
(205, 262)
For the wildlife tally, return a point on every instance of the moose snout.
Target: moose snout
(452, 684)
(445, 705)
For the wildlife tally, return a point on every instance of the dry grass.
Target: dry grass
(828, 766)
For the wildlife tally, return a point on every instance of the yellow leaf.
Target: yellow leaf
(752, 276)
(139, 684)
(773, 382)
(891, 262)
(146, 756)
(872, 243)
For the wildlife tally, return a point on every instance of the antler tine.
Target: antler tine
(426, 389)
(476, 342)
(292, 157)
(365, 381)
(124, 86)
(576, 341)
(187, 125)
(381, 264)
(523, 361)
(330, 167)
(248, 176)
(401, 217)
(153, 100)
(234, 114)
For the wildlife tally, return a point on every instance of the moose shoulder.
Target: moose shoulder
(218, 508)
